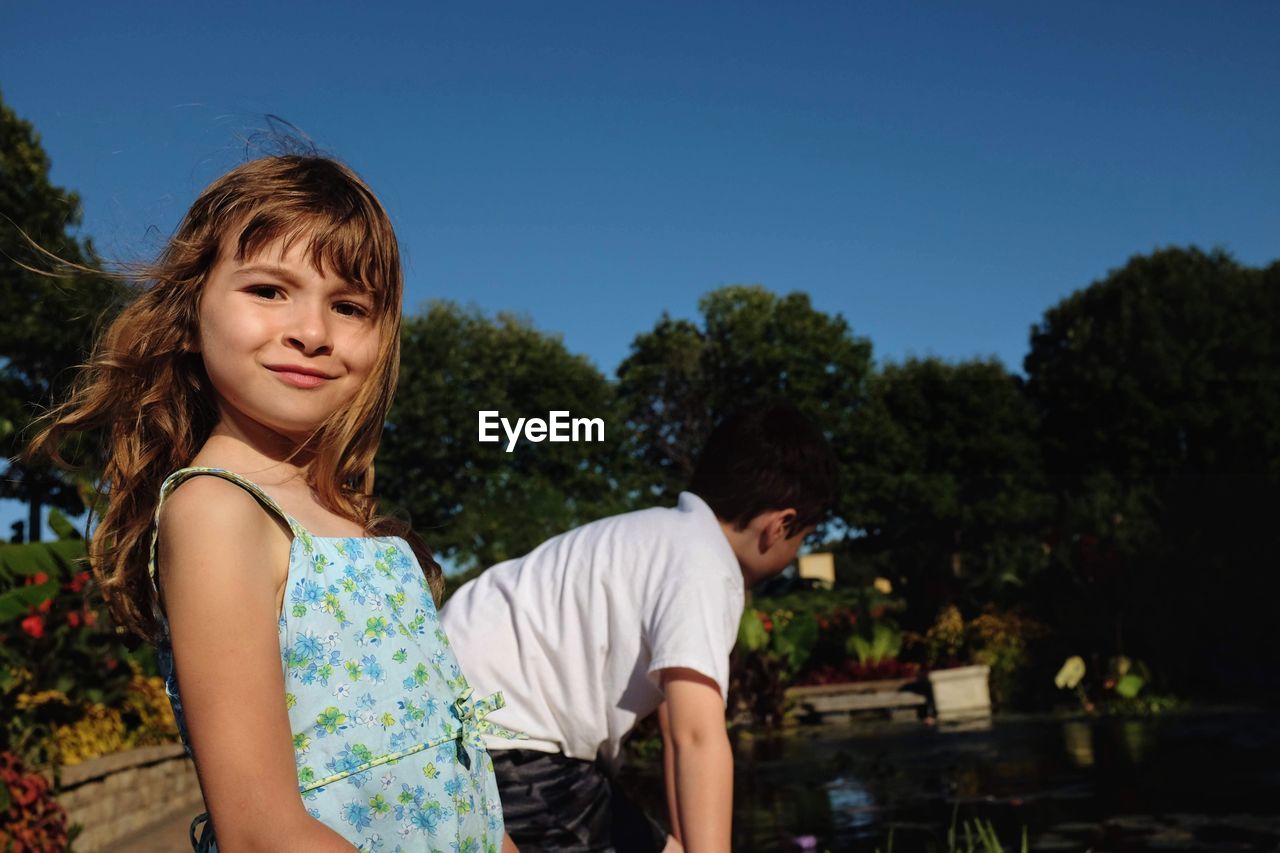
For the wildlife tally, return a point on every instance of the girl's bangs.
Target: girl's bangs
(361, 252)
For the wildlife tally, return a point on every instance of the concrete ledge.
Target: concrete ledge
(118, 795)
(889, 695)
(96, 768)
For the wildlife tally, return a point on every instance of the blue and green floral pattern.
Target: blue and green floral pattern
(386, 732)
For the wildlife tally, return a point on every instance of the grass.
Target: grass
(979, 836)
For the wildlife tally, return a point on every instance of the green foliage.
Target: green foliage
(476, 503)
(794, 639)
(1159, 392)
(969, 836)
(62, 526)
(18, 602)
(785, 634)
(1002, 640)
(884, 644)
(1123, 687)
(946, 642)
(950, 484)
(806, 637)
(773, 648)
(46, 322)
(59, 560)
(58, 652)
(1129, 686)
(1071, 673)
(680, 378)
(752, 635)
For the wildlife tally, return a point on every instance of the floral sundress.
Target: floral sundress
(386, 732)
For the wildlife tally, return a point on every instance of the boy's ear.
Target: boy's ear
(778, 525)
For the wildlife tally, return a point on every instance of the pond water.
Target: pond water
(1198, 780)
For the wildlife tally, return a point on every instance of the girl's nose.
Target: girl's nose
(310, 332)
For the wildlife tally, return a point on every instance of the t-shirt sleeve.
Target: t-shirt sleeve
(694, 622)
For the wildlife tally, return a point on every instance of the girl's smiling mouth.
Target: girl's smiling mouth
(300, 377)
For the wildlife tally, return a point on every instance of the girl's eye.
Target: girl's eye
(351, 309)
(266, 291)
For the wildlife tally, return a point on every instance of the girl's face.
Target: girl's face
(285, 345)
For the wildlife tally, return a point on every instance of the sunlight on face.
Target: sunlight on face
(285, 345)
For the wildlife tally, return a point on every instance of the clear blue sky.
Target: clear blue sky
(939, 173)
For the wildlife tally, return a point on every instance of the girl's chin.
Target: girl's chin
(258, 430)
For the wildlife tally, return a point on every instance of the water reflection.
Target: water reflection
(852, 806)
(1077, 737)
(1135, 735)
(1077, 784)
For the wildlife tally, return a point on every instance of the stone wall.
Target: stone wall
(116, 795)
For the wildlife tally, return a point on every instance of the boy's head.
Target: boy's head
(770, 476)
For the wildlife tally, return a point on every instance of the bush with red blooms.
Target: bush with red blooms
(812, 637)
(31, 821)
(852, 670)
(59, 654)
(841, 617)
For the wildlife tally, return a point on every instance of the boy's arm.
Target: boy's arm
(700, 759)
(669, 769)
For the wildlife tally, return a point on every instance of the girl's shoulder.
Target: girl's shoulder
(202, 516)
(213, 502)
(222, 496)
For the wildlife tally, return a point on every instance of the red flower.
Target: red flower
(26, 791)
(73, 619)
(79, 582)
(90, 617)
(45, 605)
(37, 579)
(34, 625)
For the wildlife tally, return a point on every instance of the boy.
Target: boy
(596, 628)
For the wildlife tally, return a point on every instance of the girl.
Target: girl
(242, 396)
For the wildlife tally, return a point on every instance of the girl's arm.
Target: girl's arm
(223, 563)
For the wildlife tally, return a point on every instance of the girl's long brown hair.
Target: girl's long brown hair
(145, 385)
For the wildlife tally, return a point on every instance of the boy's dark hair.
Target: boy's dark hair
(766, 457)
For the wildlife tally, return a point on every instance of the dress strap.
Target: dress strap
(180, 476)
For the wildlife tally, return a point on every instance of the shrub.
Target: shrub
(61, 661)
(1002, 640)
(33, 822)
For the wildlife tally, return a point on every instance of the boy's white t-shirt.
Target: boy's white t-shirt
(575, 632)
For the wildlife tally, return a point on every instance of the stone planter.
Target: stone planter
(116, 795)
(961, 693)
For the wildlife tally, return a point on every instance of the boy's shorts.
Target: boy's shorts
(552, 802)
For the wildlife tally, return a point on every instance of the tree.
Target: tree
(949, 465)
(681, 378)
(476, 503)
(1159, 390)
(47, 322)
